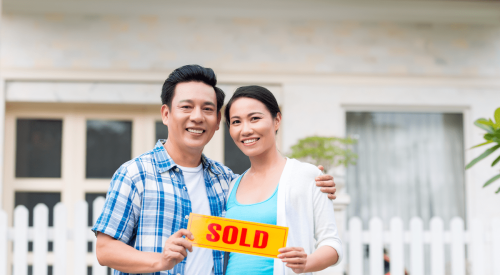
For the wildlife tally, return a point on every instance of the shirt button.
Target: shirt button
(187, 217)
(176, 169)
(178, 274)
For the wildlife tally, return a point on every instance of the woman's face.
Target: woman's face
(252, 127)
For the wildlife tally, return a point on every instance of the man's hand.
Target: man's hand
(294, 258)
(327, 184)
(175, 249)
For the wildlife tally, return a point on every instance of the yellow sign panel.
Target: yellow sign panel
(237, 236)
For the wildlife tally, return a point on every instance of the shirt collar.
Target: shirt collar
(164, 162)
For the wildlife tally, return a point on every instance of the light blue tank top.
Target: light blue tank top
(263, 212)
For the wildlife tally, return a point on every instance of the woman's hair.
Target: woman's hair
(256, 92)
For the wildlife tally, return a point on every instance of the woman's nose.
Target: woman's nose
(247, 129)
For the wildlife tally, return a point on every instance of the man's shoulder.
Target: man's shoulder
(219, 167)
(134, 167)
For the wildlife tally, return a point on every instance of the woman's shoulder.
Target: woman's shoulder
(304, 169)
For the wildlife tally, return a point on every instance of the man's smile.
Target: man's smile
(195, 131)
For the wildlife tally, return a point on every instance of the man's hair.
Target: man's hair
(190, 73)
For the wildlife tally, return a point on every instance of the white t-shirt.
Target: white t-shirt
(201, 260)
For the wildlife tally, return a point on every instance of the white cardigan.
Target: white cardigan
(305, 210)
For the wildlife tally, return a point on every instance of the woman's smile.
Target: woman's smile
(250, 142)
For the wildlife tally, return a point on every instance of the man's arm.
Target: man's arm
(122, 257)
(327, 184)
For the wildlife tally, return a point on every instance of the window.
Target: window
(161, 131)
(233, 157)
(410, 164)
(109, 145)
(38, 148)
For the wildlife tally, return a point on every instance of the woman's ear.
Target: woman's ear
(277, 121)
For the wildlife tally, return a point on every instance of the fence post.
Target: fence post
(80, 238)
(60, 238)
(477, 246)
(457, 247)
(355, 246)
(21, 240)
(397, 247)
(3, 242)
(97, 269)
(437, 247)
(417, 246)
(495, 235)
(40, 239)
(376, 247)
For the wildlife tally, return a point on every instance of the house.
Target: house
(81, 80)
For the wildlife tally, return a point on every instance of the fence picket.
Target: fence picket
(97, 269)
(40, 239)
(3, 242)
(457, 246)
(60, 238)
(355, 246)
(495, 235)
(397, 247)
(21, 240)
(417, 246)
(376, 247)
(477, 233)
(437, 247)
(80, 238)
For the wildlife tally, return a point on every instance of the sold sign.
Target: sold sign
(237, 236)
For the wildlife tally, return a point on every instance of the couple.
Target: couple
(144, 220)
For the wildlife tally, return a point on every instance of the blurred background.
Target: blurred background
(81, 81)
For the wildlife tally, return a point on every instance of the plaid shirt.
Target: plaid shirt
(147, 202)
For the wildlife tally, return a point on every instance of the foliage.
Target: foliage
(326, 151)
(492, 136)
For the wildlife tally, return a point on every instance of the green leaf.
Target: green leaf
(497, 116)
(492, 180)
(482, 144)
(482, 156)
(495, 161)
(481, 124)
(498, 191)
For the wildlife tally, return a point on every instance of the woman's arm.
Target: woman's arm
(296, 259)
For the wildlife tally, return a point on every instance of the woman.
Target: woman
(277, 190)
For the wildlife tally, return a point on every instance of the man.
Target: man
(142, 226)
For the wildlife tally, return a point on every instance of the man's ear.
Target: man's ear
(219, 118)
(165, 112)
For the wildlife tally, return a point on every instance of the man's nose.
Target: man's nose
(196, 115)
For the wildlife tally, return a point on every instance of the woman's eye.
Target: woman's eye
(254, 118)
(235, 121)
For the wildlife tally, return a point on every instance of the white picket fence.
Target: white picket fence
(475, 241)
(478, 242)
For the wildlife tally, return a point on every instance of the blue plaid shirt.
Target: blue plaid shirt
(148, 201)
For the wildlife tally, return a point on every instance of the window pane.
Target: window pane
(161, 131)
(31, 199)
(38, 148)
(109, 145)
(233, 157)
(410, 164)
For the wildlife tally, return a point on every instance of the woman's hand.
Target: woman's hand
(294, 257)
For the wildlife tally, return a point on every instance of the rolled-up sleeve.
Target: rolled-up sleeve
(121, 209)
(325, 228)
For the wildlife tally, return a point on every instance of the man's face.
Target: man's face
(193, 118)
